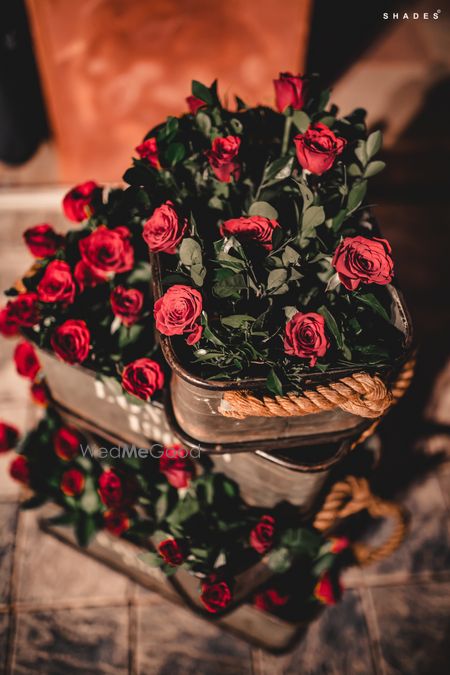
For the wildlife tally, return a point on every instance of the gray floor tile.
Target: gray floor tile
(8, 521)
(173, 641)
(73, 642)
(414, 626)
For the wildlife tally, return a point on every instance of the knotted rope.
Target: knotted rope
(351, 496)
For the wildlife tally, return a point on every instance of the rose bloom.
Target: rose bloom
(24, 310)
(116, 491)
(305, 337)
(177, 311)
(254, 228)
(86, 277)
(361, 260)
(20, 470)
(42, 240)
(176, 466)
(107, 251)
(116, 522)
(173, 551)
(289, 91)
(326, 591)
(194, 104)
(215, 593)
(72, 483)
(142, 378)
(8, 324)
(149, 150)
(71, 341)
(126, 304)
(317, 148)
(66, 443)
(221, 157)
(262, 535)
(39, 393)
(163, 231)
(339, 544)
(57, 284)
(26, 360)
(77, 204)
(9, 435)
(270, 600)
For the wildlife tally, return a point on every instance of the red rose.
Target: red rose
(116, 491)
(42, 240)
(66, 443)
(270, 600)
(71, 340)
(361, 260)
(107, 251)
(289, 91)
(26, 360)
(255, 228)
(305, 336)
(57, 284)
(19, 469)
(149, 150)
(8, 324)
(317, 148)
(339, 544)
(39, 393)
(176, 466)
(86, 277)
(9, 436)
(24, 310)
(163, 231)
(116, 522)
(261, 537)
(142, 378)
(173, 551)
(326, 591)
(215, 593)
(77, 204)
(126, 304)
(221, 157)
(194, 104)
(72, 483)
(177, 311)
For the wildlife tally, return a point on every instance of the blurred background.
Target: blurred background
(80, 84)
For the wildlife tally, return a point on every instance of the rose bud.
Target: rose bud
(289, 91)
(163, 231)
(107, 252)
(20, 470)
(116, 522)
(86, 277)
(77, 204)
(177, 311)
(26, 360)
(126, 304)
(215, 593)
(317, 148)
(176, 466)
(361, 260)
(270, 600)
(252, 228)
(326, 591)
(39, 393)
(57, 284)
(8, 324)
(149, 150)
(194, 104)
(72, 483)
(24, 310)
(221, 157)
(339, 544)
(117, 491)
(42, 240)
(71, 341)
(262, 535)
(173, 551)
(67, 443)
(9, 436)
(142, 378)
(305, 337)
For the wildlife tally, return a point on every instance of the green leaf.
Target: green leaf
(371, 301)
(175, 153)
(212, 337)
(354, 170)
(129, 335)
(373, 143)
(273, 383)
(198, 274)
(307, 195)
(236, 320)
(312, 218)
(263, 209)
(323, 564)
(301, 120)
(85, 529)
(290, 256)
(361, 153)
(236, 125)
(332, 325)
(190, 252)
(202, 92)
(203, 122)
(280, 560)
(142, 273)
(229, 286)
(276, 278)
(356, 196)
(279, 169)
(373, 168)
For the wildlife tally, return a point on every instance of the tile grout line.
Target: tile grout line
(370, 614)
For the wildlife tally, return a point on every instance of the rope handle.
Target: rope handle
(351, 496)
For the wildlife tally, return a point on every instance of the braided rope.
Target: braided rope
(351, 496)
